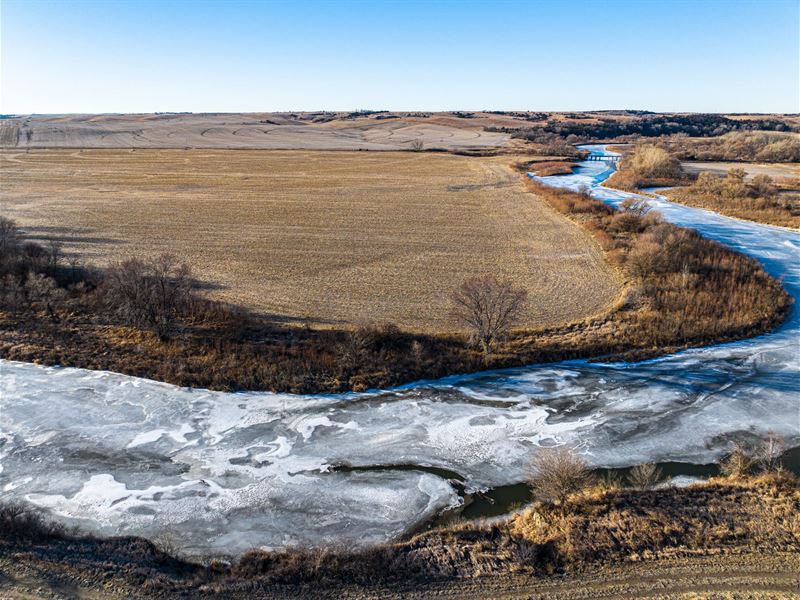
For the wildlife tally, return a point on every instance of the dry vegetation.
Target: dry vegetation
(683, 287)
(555, 128)
(592, 530)
(549, 167)
(332, 237)
(759, 199)
(683, 290)
(647, 165)
(751, 146)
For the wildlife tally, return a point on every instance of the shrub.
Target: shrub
(761, 186)
(644, 476)
(651, 162)
(769, 452)
(19, 522)
(9, 235)
(739, 462)
(733, 186)
(44, 292)
(758, 199)
(557, 473)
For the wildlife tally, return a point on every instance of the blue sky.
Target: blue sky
(104, 56)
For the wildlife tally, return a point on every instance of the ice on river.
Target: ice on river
(223, 472)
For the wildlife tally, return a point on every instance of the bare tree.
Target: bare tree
(9, 235)
(43, 291)
(12, 293)
(644, 476)
(150, 293)
(557, 473)
(417, 145)
(54, 254)
(488, 307)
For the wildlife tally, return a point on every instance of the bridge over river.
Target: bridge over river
(604, 157)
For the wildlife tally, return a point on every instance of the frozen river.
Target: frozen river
(219, 473)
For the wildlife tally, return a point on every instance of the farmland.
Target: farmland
(273, 131)
(329, 238)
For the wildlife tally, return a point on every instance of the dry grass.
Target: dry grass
(551, 167)
(599, 530)
(646, 165)
(737, 514)
(782, 210)
(597, 526)
(339, 237)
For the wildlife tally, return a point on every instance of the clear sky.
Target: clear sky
(118, 56)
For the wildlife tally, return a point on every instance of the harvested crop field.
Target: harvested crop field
(274, 131)
(336, 238)
(774, 170)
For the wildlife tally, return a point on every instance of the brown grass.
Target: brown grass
(631, 182)
(782, 210)
(335, 237)
(9, 133)
(596, 528)
(683, 290)
(646, 165)
(550, 167)
(742, 514)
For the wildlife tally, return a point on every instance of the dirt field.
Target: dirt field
(283, 131)
(336, 237)
(774, 170)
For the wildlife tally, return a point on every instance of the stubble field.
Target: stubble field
(334, 238)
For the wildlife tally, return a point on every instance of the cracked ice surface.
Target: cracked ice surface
(223, 472)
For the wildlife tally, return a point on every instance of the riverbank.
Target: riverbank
(601, 533)
(781, 209)
(745, 191)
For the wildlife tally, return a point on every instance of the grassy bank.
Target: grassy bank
(682, 290)
(776, 203)
(759, 198)
(545, 168)
(598, 528)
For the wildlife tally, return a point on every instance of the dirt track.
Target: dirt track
(719, 577)
(749, 576)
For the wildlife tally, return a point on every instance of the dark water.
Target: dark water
(507, 498)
